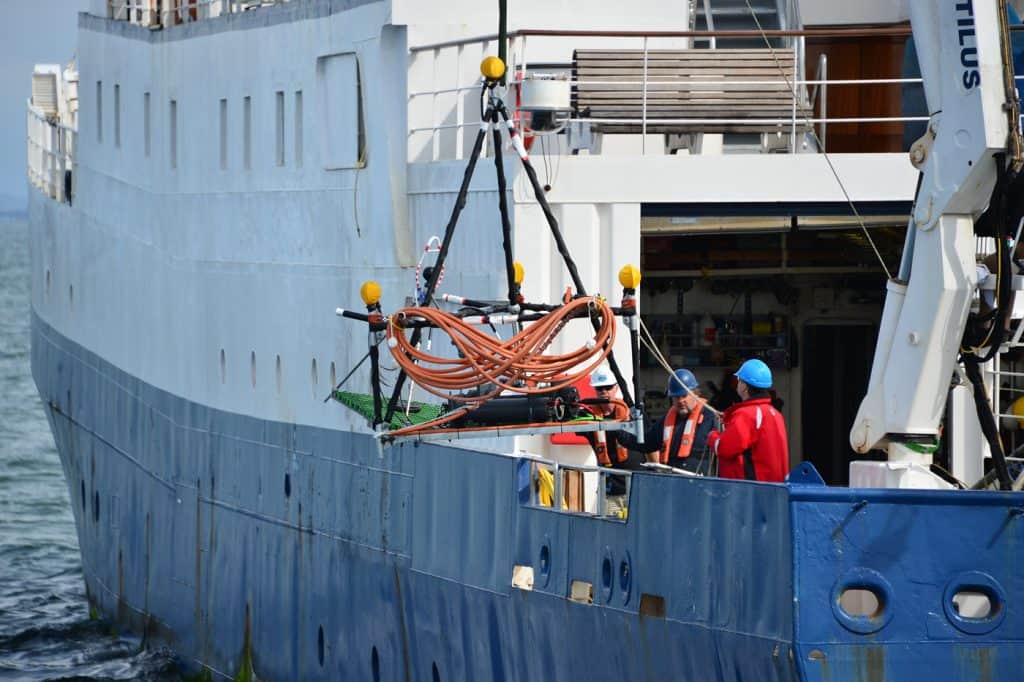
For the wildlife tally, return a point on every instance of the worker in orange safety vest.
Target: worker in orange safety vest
(679, 439)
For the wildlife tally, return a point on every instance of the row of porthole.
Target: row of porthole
(95, 502)
(862, 602)
(278, 371)
(71, 290)
(610, 577)
(374, 659)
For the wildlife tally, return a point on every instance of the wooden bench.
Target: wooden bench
(678, 89)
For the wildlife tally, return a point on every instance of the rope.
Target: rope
(648, 341)
(817, 140)
(517, 365)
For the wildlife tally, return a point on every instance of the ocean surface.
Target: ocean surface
(45, 629)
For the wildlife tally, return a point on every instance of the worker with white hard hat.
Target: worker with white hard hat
(606, 444)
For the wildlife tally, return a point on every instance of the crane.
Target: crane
(968, 157)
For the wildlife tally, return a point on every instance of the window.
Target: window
(99, 111)
(117, 115)
(341, 111)
(145, 123)
(223, 134)
(279, 128)
(173, 136)
(298, 128)
(247, 132)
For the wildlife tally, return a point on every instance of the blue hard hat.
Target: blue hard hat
(755, 373)
(681, 378)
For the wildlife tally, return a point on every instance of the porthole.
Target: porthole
(313, 376)
(607, 575)
(252, 367)
(862, 601)
(544, 562)
(320, 645)
(277, 372)
(974, 602)
(223, 367)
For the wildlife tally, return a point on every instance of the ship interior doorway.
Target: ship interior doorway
(797, 286)
(837, 363)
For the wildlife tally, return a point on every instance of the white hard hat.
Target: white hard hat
(602, 376)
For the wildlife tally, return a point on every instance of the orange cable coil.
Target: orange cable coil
(486, 359)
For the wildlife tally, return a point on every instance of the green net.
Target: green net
(363, 404)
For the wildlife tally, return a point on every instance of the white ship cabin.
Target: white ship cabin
(278, 154)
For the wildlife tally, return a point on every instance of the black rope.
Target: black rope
(563, 250)
(506, 224)
(449, 232)
(987, 421)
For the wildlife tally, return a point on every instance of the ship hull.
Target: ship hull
(315, 554)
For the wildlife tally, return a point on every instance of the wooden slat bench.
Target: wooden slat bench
(677, 89)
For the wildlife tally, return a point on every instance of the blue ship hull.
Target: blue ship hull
(304, 553)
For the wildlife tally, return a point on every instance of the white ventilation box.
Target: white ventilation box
(46, 88)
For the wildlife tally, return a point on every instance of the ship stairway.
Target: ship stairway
(736, 15)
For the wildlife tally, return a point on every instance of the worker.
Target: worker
(679, 439)
(610, 452)
(753, 444)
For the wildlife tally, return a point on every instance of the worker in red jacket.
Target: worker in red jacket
(753, 444)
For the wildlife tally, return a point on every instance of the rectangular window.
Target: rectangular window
(341, 118)
(247, 132)
(298, 128)
(99, 111)
(173, 137)
(279, 128)
(117, 115)
(146, 133)
(223, 134)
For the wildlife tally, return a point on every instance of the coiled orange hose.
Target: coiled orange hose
(518, 364)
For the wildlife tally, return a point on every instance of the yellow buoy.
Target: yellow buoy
(517, 272)
(492, 68)
(629, 277)
(1017, 410)
(370, 292)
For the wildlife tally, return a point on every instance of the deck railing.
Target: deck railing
(444, 117)
(151, 13)
(51, 155)
(553, 494)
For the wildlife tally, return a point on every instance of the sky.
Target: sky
(31, 32)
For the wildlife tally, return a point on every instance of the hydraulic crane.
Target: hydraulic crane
(968, 159)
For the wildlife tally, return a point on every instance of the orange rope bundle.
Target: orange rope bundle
(485, 359)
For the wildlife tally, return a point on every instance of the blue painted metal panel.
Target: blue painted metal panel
(909, 547)
(408, 551)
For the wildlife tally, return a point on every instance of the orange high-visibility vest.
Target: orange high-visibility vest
(601, 441)
(689, 430)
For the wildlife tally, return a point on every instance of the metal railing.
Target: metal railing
(51, 155)
(440, 129)
(151, 13)
(558, 501)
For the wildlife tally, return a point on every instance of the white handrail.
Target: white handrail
(151, 13)
(51, 146)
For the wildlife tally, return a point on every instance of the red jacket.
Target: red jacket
(755, 429)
